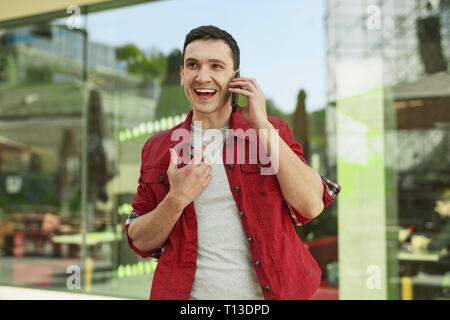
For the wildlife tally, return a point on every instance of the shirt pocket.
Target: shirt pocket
(158, 182)
(257, 169)
(256, 174)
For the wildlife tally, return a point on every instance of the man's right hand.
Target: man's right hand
(187, 183)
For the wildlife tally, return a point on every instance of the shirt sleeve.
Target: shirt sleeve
(143, 202)
(330, 188)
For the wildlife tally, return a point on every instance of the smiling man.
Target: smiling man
(222, 229)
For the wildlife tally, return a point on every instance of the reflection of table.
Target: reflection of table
(27, 243)
(412, 261)
(74, 241)
(425, 256)
(92, 238)
(413, 280)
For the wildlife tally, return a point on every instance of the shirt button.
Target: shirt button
(161, 178)
(230, 166)
(236, 189)
(257, 263)
(250, 239)
(241, 213)
(260, 165)
(267, 288)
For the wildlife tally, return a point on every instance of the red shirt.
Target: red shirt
(283, 264)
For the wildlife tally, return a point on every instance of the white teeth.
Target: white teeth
(205, 90)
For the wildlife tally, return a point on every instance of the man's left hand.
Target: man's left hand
(255, 112)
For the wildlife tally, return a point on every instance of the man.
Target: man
(224, 229)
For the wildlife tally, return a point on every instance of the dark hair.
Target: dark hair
(212, 32)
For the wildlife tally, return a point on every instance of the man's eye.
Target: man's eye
(217, 66)
(192, 65)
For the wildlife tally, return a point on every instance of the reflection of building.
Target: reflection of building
(389, 28)
(56, 97)
(42, 99)
(423, 103)
(357, 30)
(388, 136)
(43, 103)
(423, 137)
(65, 43)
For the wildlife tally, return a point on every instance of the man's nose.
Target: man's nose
(203, 76)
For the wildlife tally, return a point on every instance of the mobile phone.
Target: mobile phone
(234, 96)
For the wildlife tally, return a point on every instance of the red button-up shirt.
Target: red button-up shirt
(283, 264)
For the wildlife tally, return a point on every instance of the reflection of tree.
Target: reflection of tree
(300, 123)
(153, 66)
(172, 100)
(272, 110)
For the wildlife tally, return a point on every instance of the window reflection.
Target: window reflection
(77, 105)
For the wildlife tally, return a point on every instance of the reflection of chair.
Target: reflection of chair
(325, 252)
(32, 236)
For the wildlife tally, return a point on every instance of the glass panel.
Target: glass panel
(387, 93)
(99, 86)
(363, 84)
(42, 98)
(148, 40)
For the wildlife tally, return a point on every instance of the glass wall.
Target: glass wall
(42, 99)
(363, 85)
(388, 132)
(80, 96)
(70, 137)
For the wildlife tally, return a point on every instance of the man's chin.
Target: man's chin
(205, 108)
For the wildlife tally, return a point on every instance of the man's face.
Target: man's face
(208, 69)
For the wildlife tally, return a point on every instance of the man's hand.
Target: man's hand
(255, 112)
(187, 183)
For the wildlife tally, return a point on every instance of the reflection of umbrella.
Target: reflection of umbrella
(300, 126)
(99, 152)
(430, 44)
(11, 145)
(68, 169)
(8, 146)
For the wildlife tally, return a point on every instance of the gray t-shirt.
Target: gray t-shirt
(224, 267)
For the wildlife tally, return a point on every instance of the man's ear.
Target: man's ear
(181, 75)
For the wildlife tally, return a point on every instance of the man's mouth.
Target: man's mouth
(205, 93)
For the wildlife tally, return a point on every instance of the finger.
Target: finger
(243, 111)
(208, 180)
(254, 83)
(193, 157)
(205, 164)
(207, 171)
(243, 85)
(252, 80)
(247, 93)
(199, 155)
(173, 158)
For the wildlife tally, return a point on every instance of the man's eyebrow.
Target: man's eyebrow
(210, 60)
(217, 61)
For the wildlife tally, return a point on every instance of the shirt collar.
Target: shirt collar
(238, 128)
(236, 122)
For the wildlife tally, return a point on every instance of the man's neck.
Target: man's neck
(215, 120)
